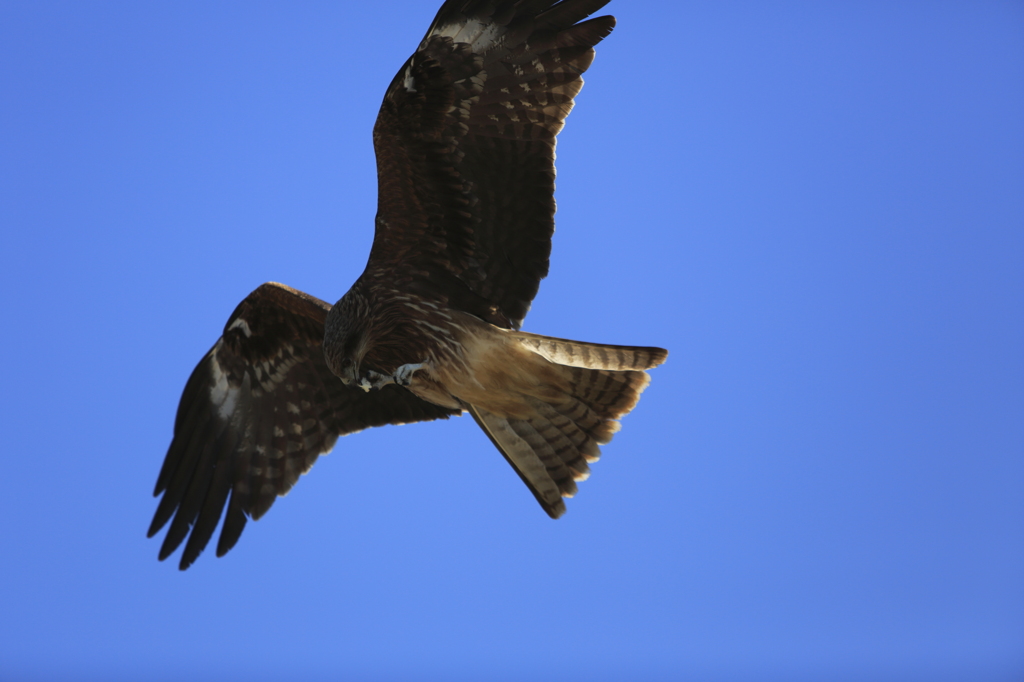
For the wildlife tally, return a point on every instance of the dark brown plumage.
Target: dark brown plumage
(465, 144)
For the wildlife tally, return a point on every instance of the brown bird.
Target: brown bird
(465, 144)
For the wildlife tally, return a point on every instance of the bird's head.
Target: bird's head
(344, 338)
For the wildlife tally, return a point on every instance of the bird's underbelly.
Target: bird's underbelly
(485, 367)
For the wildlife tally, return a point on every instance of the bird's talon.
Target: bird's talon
(403, 375)
(373, 380)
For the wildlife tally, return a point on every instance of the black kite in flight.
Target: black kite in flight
(465, 144)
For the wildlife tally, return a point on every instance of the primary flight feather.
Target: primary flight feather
(465, 143)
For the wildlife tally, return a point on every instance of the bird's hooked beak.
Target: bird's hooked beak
(349, 372)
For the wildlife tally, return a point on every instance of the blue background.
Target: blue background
(817, 207)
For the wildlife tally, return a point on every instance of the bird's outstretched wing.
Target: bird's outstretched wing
(257, 411)
(465, 143)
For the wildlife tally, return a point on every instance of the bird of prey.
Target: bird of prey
(465, 146)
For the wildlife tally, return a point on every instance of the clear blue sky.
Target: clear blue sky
(817, 207)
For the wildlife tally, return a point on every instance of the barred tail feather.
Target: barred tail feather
(526, 458)
(592, 355)
(551, 448)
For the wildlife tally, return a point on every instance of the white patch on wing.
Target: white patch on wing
(243, 325)
(480, 34)
(409, 83)
(487, 37)
(448, 30)
(222, 394)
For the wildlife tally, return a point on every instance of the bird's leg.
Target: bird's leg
(371, 379)
(403, 375)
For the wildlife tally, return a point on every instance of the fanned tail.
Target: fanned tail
(551, 448)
